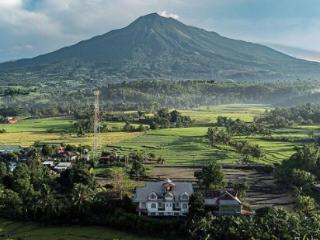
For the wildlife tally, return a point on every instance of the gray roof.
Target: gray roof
(142, 194)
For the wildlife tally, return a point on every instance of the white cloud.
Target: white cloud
(10, 3)
(15, 18)
(56, 23)
(168, 15)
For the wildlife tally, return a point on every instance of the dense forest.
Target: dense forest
(284, 117)
(50, 98)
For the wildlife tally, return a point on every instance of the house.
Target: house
(164, 198)
(223, 203)
(11, 120)
(85, 155)
(62, 166)
(5, 149)
(67, 155)
(49, 164)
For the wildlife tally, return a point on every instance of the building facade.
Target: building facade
(223, 203)
(164, 198)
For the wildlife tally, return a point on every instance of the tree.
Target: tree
(120, 182)
(306, 204)
(137, 169)
(3, 170)
(217, 136)
(128, 127)
(240, 187)
(22, 171)
(82, 196)
(196, 206)
(211, 176)
(11, 205)
(77, 174)
(301, 178)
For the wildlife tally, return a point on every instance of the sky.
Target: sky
(32, 27)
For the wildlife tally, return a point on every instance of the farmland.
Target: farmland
(190, 146)
(54, 130)
(31, 231)
(175, 145)
(209, 114)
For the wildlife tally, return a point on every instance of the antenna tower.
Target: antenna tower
(96, 126)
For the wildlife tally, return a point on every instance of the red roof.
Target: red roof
(228, 196)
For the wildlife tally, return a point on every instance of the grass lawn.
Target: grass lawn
(10, 230)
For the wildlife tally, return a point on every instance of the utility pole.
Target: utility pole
(96, 126)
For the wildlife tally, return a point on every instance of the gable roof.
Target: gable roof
(226, 196)
(157, 187)
(213, 198)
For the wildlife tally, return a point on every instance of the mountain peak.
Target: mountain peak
(153, 18)
(160, 47)
(152, 15)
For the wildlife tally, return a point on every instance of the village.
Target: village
(166, 190)
(158, 197)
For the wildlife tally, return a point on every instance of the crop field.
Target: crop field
(28, 138)
(245, 112)
(57, 124)
(10, 230)
(28, 131)
(190, 146)
(53, 124)
(176, 145)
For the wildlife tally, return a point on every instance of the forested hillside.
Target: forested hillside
(155, 47)
(47, 99)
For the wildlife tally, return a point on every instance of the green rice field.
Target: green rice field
(190, 146)
(175, 145)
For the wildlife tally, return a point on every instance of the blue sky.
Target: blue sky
(32, 27)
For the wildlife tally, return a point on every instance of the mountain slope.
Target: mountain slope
(154, 47)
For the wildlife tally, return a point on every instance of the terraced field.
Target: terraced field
(176, 145)
(10, 230)
(190, 146)
(245, 112)
(182, 145)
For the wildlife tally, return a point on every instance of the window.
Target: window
(169, 196)
(153, 196)
(184, 196)
(153, 205)
(184, 205)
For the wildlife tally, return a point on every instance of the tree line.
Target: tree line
(285, 117)
(244, 148)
